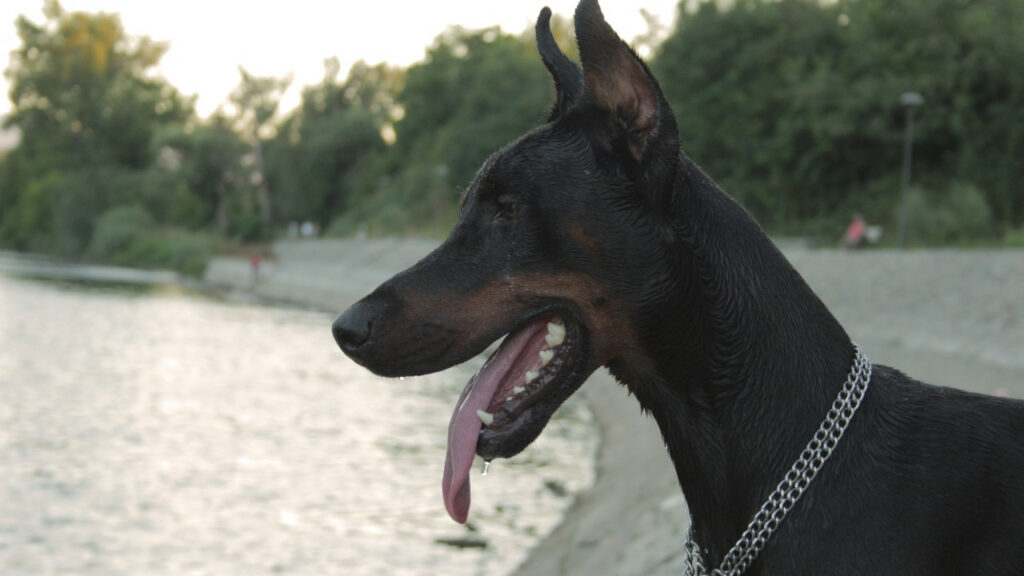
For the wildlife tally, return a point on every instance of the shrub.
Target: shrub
(960, 215)
(127, 236)
(1014, 238)
(118, 229)
(189, 252)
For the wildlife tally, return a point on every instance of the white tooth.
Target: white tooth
(546, 356)
(520, 389)
(485, 417)
(531, 376)
(509, 398)
(554, 339)
(557, 329)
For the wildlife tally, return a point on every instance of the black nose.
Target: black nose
(353, 327)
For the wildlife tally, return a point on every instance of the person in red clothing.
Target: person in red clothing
(855, 232)
(254, 263)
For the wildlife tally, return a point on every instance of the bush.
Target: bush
(28, 224)
(180, 250)
(249, 228)
(960, 215)
(1014, 238)
(118, 229)
(127, 236)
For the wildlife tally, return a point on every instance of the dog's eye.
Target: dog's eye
(507, 208)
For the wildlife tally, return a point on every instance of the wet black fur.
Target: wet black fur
(740, 358)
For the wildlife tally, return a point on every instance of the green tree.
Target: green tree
(86, 106)
(204, 169)
(474, 92)
(321, 147)
(256, 99)
(964, 58)
(731, 75)
(457, 104)
(82, 93)
(372, 88)
(793, 105)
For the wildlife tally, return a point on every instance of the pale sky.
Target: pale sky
(211, 38)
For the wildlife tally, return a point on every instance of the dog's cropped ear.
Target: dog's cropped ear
(565, 73)
(617, 82)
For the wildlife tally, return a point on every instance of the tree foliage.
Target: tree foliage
(313, 160)
(475, 91)
(87, 110)
(792, 105)
(205, 181)
(256, 99)
(81, 90)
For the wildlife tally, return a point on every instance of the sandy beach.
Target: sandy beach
(947, 317)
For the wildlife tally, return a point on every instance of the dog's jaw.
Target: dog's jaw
(508, 402)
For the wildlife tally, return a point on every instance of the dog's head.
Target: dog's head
(559, 248)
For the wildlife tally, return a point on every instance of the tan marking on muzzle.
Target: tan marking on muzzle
(584, 239)
(470, 315)
(475, 315)
(612, 334)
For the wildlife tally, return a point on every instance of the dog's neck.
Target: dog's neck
(747, 362)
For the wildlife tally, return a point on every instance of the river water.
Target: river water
(155, 431)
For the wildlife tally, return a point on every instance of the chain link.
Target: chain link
(795, 482)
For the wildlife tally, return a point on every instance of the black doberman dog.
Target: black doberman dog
(594, 241)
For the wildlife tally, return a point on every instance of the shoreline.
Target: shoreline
(945, 317)
(51, 268)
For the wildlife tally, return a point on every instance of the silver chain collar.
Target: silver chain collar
(793, 484)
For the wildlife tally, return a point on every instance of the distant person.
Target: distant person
(855, 236)
(254, 264)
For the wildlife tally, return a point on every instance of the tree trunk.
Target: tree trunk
(262, 190)
(222, 208)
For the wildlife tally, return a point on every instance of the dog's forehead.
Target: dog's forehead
(552, 143)
(548, 161)
(540, 159)
(481, 186)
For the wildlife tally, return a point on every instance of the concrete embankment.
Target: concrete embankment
(328, 274)
(948, 317)
(50, 268)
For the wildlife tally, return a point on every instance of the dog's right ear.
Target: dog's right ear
(567, 76)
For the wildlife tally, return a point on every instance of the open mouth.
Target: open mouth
(507, 403)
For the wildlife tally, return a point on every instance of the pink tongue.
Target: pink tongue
(464, 428)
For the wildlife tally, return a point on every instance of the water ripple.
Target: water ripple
(167, 433)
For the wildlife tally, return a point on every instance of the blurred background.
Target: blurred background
(794, 108)
(301, 153)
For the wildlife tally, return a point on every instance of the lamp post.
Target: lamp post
(909, 101)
